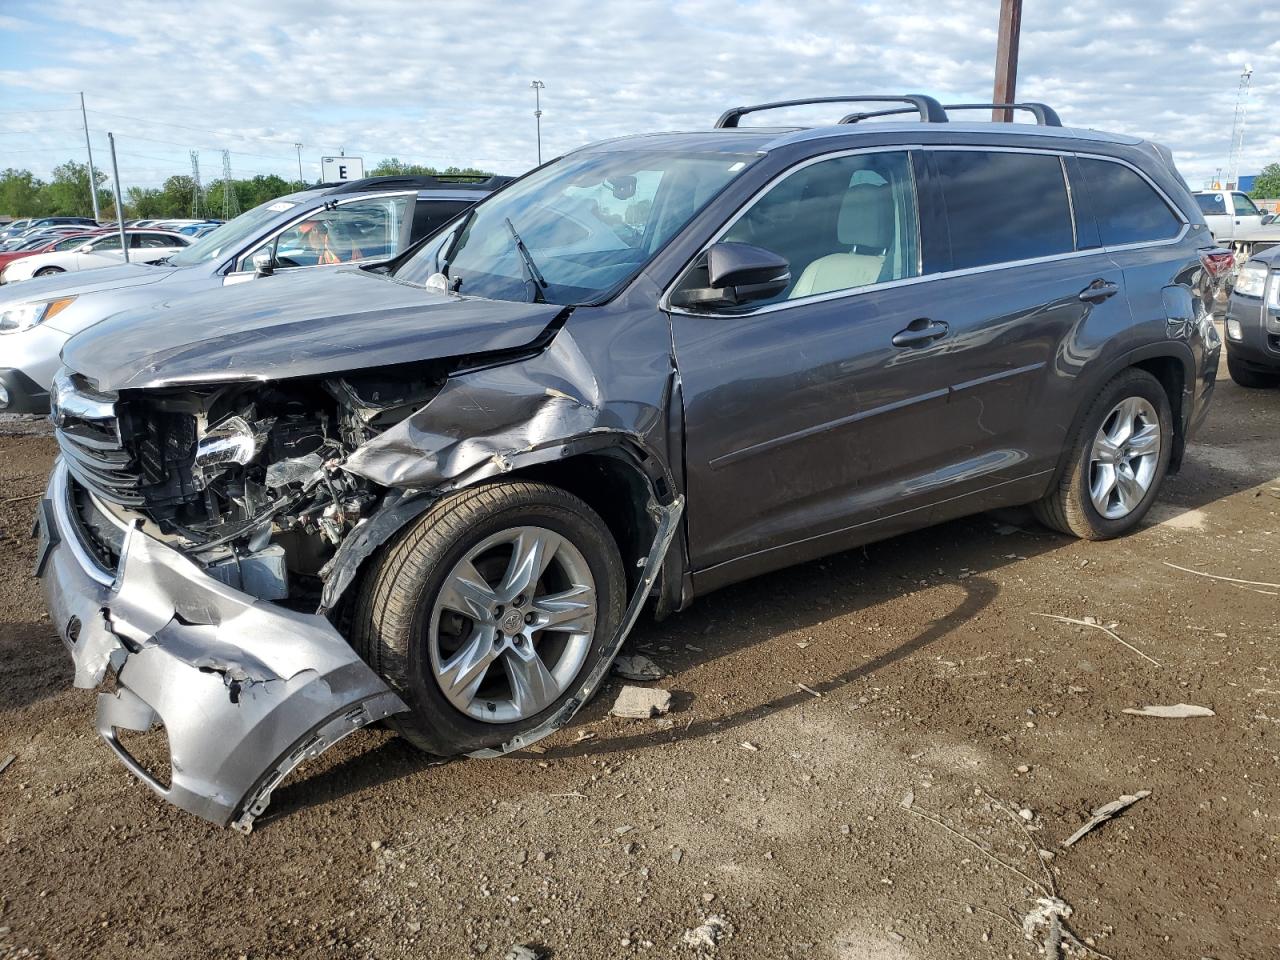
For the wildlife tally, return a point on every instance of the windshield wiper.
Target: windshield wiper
(531, 272)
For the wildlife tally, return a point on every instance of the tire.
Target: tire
(1249, 378)
(1070, 507)
(48, 271)
(409, 624)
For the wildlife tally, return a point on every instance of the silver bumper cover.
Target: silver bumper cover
(244, 689)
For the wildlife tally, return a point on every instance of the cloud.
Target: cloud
(449, 83)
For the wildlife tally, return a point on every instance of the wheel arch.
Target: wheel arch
(1170, 362)
(612, 472)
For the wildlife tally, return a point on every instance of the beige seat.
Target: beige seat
(865, 225)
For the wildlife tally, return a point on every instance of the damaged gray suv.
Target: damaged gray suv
(438, 491)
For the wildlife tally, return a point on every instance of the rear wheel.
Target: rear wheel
(1118, 461)
(485, 615)
(49, 271)
(1248, 377)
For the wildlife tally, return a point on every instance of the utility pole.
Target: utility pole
(298, 147)
(1007, 58)
(115, 170)
(1237, 128)
(538, 87)
(93, 177)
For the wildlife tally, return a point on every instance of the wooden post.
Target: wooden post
(1007, 58)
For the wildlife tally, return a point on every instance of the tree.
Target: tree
(67, 195)
(395, 167)
(21, 193)
(146, 203)
(1267, 185)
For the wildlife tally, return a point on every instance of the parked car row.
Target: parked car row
(430, 464)
(365, 221)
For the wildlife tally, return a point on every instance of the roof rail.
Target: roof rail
(930, 110)
(441, 181)
(1045, 115)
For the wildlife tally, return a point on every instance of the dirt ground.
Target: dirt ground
(881, 820)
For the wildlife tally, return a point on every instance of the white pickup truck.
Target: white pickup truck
(1237, 223)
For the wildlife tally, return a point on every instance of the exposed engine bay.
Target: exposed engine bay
(244, 479)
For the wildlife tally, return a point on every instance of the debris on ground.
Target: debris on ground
(748, 745)
(708, 934)
(1108, 630)
(1176, 711)
(1049, 913)
(637, 667)
(641, 703)
(1105, 813)
(809, 690)
(521, 951)
(4, 764)
(1215, 576)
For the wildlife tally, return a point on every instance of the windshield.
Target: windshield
(588, 223)
(229, 237)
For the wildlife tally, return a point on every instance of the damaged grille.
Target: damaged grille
(130, 458)
(88, 434)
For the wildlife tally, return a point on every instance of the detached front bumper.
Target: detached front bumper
(244, 689)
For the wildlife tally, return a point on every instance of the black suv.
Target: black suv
(440, 490)
(1253, 322)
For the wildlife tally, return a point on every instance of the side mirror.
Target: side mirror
(1268, 218)
(264, 264)
(736, 274)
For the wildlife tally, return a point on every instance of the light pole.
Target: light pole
(298, 147)
(93, 177)
(538, 87)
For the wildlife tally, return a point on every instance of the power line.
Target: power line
(45, 110)
(186, 126)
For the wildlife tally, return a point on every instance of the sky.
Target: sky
(448, 82)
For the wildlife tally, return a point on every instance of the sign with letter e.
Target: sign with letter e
(337, 169)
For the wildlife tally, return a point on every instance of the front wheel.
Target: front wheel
(49, 271)
(1118, 461)
(486, 614)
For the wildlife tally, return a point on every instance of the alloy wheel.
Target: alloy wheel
(1124, 457)
(512, 625)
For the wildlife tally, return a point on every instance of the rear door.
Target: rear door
(1030, 294)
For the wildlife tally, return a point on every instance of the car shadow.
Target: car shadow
(729, 620)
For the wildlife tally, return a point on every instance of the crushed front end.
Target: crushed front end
(190, 574)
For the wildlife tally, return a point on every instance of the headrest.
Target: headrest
(866, 216)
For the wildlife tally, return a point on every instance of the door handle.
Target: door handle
(919, 332)
(1098, 291)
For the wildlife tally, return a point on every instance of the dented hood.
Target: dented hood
(305, 324)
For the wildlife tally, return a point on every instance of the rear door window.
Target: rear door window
(1211, 204)
(1127, 207)
(1003, 207)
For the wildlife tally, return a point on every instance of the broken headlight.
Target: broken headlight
(234, 441)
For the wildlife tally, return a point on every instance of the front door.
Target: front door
(823, 416)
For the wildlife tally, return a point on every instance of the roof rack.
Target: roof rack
(440, 181)
(930, 110)
(1045, 115)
